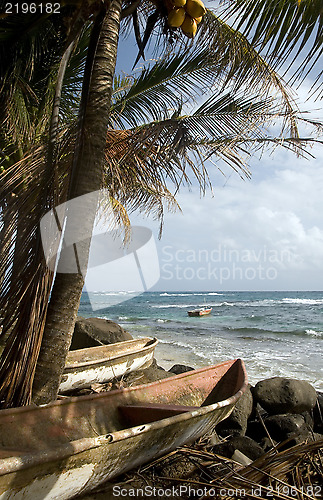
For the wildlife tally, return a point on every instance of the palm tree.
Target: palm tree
(219, 54)
(31, 56)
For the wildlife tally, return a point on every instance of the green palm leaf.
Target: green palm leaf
(285, 30)
(220, 56)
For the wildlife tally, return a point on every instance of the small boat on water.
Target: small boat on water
(71, 446)
(202, 311)
(85, 367)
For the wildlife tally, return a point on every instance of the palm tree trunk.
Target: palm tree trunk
(87, 177)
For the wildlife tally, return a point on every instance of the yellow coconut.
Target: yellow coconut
(189, 26)
(195, 8)
(178, 3)
(176, 17)
(198, 19)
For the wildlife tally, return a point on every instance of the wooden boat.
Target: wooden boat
(202, 311)
(69, 447)
(103, 363)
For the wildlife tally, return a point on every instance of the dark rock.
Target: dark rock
(318, 414)
(280, 427)
(298, 438)
(154, 364)
(246, 445)
(309, 420)
(256, 430)
(91, 332)
(236, 423)
(267, 444)
(285, 395)
(223, 449)
(178, 369)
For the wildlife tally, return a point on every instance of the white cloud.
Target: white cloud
(277, 213)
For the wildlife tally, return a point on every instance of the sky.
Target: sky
(265, 233)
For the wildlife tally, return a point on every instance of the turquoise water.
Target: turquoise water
(275, 333)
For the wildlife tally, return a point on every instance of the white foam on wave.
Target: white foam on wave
(166, 294)
(185, 345)
(288, 300)
(314, 333)
(166, 306)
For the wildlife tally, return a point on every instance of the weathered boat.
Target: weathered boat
(85, 367)
(202, 311)
(69, 447)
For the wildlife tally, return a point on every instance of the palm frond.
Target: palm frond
(225, 127)
(220, 56)
(27, 192)
(285, 30)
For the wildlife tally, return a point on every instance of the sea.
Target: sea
(275, 333)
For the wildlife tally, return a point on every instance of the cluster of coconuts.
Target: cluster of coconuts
(185, 14)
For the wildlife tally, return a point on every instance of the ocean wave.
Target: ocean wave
(288, 300)
(167, 306)
(112, 294)
(184, 345)
(262, 331)
(273, 302)
(166, 294)
(313, 333)
(170, 294)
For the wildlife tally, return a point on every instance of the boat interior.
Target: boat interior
(29, 429)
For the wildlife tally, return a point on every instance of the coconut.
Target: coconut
(198, 19)
(176, 17)
(189, 26)
(195, 8)
(178, 3)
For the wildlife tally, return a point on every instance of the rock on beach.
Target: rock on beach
(236, 423)
(285, 395)
(92, 332)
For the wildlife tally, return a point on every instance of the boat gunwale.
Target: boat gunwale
(102, 395)
(32, 459)
(150, 344)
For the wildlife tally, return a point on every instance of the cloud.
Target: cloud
(276, 217)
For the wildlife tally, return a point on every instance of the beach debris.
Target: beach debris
(295, 473)
(241, 458)
(244, 444)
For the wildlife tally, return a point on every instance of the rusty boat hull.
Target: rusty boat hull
(69, 447)
(85, 367)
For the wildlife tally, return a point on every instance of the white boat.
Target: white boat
(100, 364)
